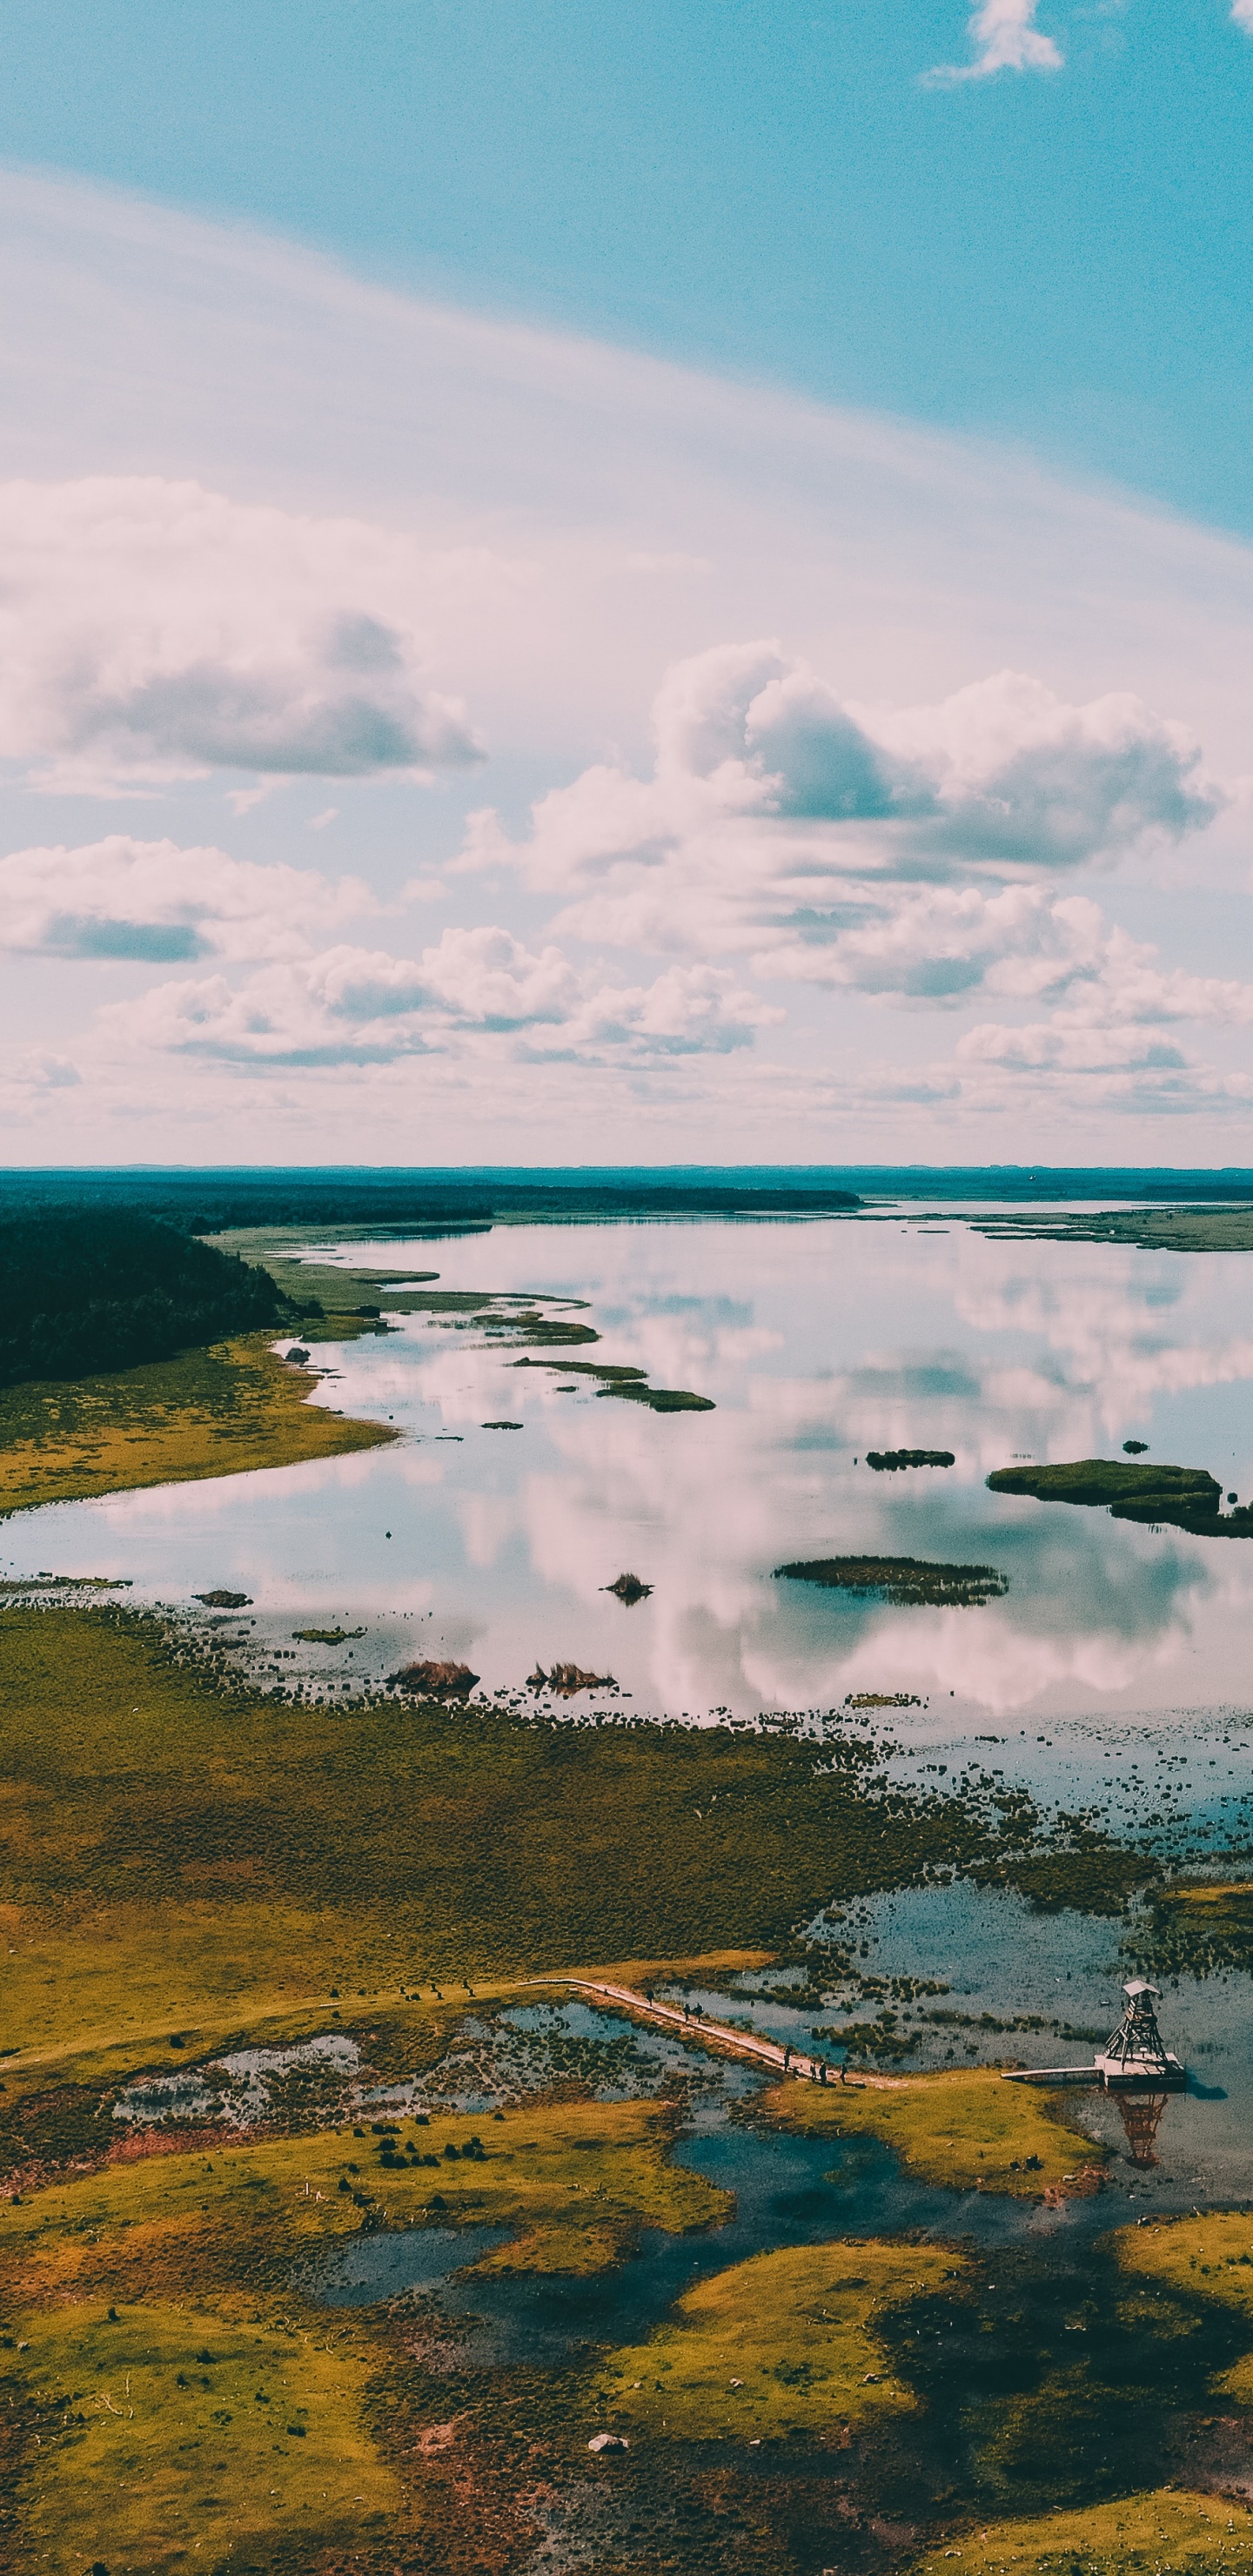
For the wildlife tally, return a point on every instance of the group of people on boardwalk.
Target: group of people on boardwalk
(819, 2072)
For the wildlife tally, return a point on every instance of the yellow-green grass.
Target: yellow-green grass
(574, 2180)
(201, 2256)
(1213, 1921)
(1154, 2534)
(253, 2018)
(1198, 1929)
(1209, 1895)
(180, 2435)
(172, 1844)
(784, 2343)
(970, 2131)
(1208, 2258)
(224, 1411)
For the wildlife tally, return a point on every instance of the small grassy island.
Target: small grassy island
(908, 1582)
(1186, 1498)
(890, 1461)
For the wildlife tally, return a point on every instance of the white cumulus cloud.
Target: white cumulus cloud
(942, 944)
(852, 844)
(153, 902)
(152, 631)
(1092, 1072)
(1007, 39)
(478, 991)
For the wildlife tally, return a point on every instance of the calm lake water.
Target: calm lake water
(817, 1341)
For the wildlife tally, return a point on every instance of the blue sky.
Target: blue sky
(667, 580)
(1060, 256)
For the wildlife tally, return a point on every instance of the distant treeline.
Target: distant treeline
(437, 1201)
(213, 1202)
(89, 1289)
(420, 1202)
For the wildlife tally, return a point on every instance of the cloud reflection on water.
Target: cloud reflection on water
(818, 1341)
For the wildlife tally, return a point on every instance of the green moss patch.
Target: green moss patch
(1109, 1480)
(175, 2433)
(970, 2131)
(1207, 2258)
(1162, 2532)
(630, 1383)
(784, 2343)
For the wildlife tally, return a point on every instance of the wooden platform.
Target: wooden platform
(1114, 2075)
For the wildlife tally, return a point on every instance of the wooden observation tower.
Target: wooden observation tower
(1135, 2058)
(1136, 2053)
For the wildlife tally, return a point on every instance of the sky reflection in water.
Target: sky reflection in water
(818, 1341)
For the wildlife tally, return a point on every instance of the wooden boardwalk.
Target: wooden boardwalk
(770, 2053)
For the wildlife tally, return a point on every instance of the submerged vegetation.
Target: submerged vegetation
(908, 1582)
(1194, 1930)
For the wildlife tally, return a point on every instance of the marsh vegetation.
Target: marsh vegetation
(909, 1582)
(891, 1461)
(224, 1411)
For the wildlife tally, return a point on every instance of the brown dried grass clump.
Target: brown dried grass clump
(567, 1679)
(432, 1680)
